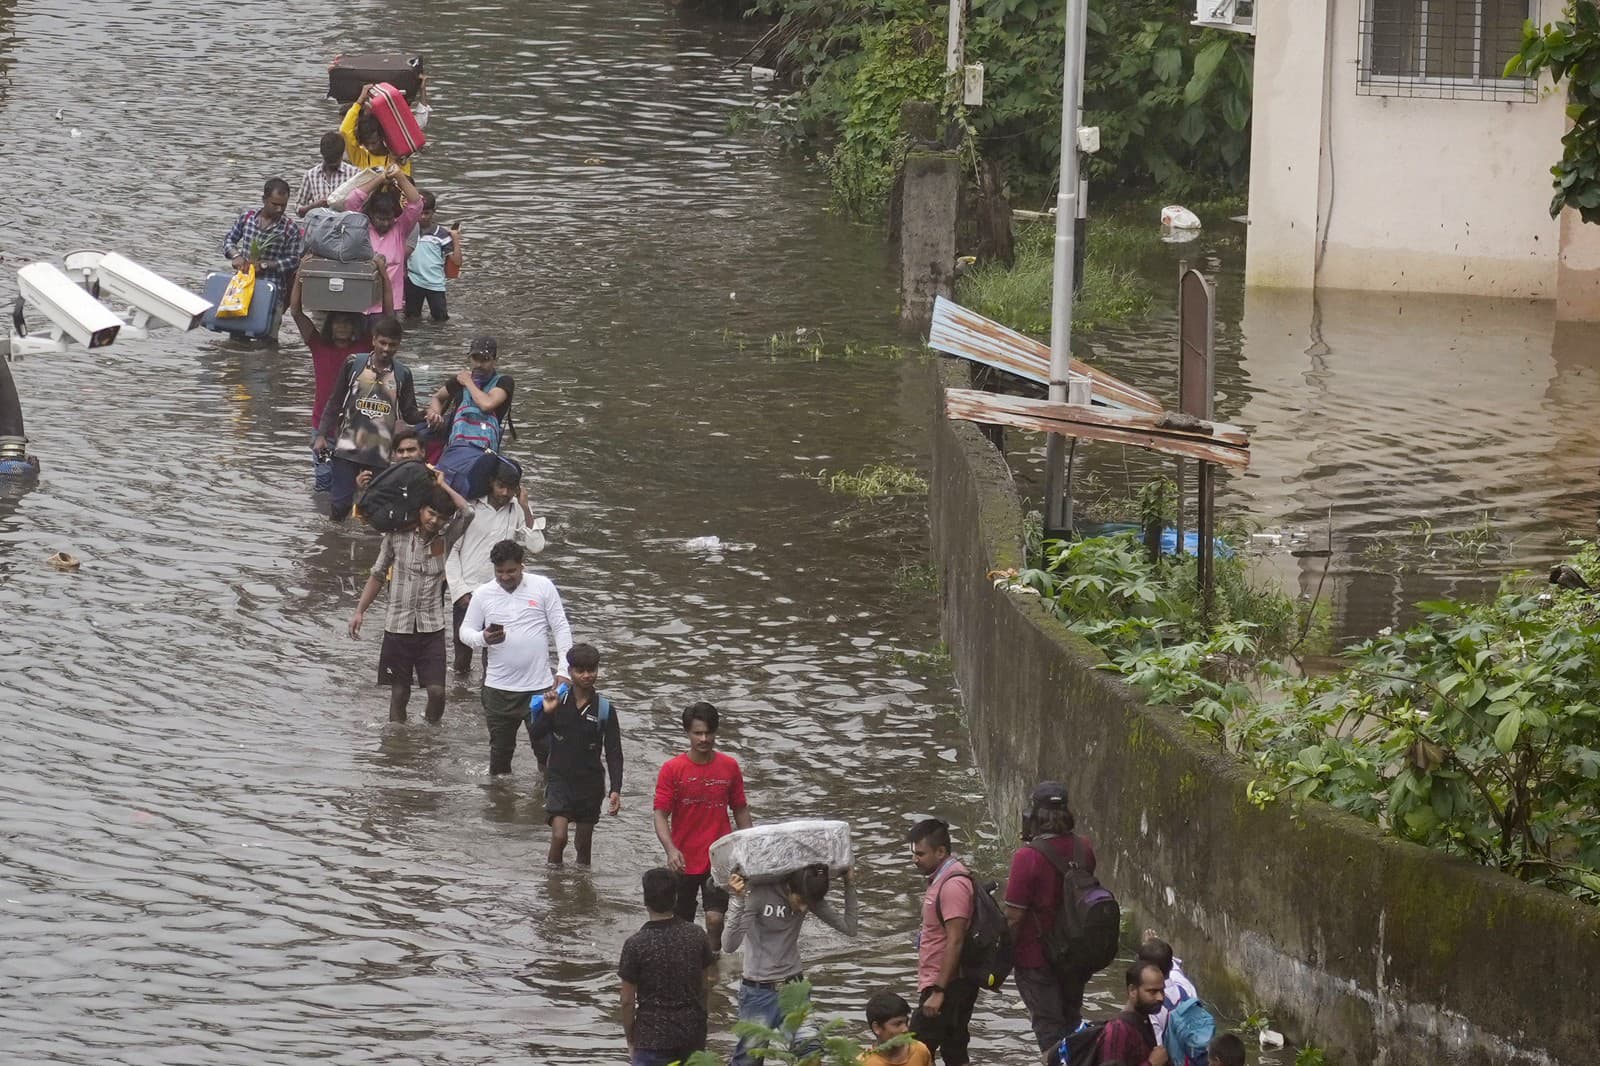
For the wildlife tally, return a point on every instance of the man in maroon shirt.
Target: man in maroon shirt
(1128, 1039)
(1052, 994)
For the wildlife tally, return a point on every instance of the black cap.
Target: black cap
(483, 346)
(1050, 794)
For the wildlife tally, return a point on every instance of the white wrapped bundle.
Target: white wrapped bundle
(361, 179)
(773, 851)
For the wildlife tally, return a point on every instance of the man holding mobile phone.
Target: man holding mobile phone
(514, 617)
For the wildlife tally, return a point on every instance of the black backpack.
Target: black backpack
(1079, 1049)
(394, 496)
(986, 952)
(1088, 923)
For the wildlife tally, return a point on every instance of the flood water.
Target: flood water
(1407, 447)
(214, 848)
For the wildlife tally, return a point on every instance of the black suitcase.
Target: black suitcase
(348, 73)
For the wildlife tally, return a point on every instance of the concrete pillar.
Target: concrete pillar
(1578, 270)
(1291, 60)
(929, 191)
(930, 188)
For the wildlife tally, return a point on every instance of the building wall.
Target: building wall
(1408, 194)
(1382, 952)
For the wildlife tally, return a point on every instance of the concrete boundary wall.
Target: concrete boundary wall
(1377, 950)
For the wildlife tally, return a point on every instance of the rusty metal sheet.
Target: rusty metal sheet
(968, 335)
(1224, 445)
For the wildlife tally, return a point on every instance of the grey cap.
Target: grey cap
(1050, 794)
(484, 346)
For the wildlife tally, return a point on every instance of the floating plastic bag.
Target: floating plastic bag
(235, 302)
(772, 852)
(1179, 217)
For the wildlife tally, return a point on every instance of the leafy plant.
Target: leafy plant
(1570, 51)
(1019, 296)
(797, 1038)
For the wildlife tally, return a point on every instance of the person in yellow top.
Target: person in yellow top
(890, 1019)
(363, 141)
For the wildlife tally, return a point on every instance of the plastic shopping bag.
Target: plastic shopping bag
(235, 301)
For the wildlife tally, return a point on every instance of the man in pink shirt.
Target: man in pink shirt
(390, 224)
(947, 998)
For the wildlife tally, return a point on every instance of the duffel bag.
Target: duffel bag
(395, 495)
(339, 235)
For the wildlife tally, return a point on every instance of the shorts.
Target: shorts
(574, 801)
(692, 885)
(408, 654)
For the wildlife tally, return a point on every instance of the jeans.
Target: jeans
(1054, 999)
(760, 1004)
(947, 1033)
(342, 493)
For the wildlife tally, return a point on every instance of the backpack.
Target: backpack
(472, 425)
(1088, 923)
(483, 470)
(394, 496)
(986, 952)
(1081, 1048)
(1190, 1027)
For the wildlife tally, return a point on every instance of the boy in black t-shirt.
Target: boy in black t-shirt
(663, 969)
(579, 723)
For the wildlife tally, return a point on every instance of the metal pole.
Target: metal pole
(1066, 235)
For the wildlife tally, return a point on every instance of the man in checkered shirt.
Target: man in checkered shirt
(326, 176)
(267, 237)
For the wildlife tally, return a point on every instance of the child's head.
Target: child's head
(1226, 1049)
(343, 327)
(660, 890)
(429, 202)
(584, 659)
(888, 1015)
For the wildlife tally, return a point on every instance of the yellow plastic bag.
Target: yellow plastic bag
(236, 298)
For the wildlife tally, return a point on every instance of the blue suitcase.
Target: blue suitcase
(256, 323)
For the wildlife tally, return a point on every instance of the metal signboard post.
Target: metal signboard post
(1196, 392)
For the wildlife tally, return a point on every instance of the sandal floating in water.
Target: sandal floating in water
(63, 561)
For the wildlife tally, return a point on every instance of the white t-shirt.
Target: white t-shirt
(1178, 989)
(532, 614)
(468, 566)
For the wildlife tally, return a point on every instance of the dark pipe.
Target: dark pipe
(15, 462)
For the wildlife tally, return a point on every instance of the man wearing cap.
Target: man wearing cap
(480, 397)
(1052, 994)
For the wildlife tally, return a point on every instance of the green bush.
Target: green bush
(1476, 731)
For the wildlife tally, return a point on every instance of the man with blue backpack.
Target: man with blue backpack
(481, 397)
(1183, 1025)
(579, 723)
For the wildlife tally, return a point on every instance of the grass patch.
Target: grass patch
(916, 577)
(1019, 297)
(875, 482)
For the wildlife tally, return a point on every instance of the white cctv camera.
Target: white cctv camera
(147, 294)
(71, 311)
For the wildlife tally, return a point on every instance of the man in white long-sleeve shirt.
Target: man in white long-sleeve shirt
(514, 616)
(503, 514)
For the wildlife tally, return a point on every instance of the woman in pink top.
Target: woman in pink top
(390, 225)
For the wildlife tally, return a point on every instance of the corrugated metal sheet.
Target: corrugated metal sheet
(968, 335)
(1215, 442)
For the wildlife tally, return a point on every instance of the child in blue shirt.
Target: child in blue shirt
(425, 266)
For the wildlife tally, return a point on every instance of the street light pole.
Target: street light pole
(1057, 508)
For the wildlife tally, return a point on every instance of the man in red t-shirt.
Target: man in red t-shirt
(694, 793)
(1052, 994)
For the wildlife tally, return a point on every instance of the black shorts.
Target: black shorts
(405, 655)
(575, 801)
(691, 886)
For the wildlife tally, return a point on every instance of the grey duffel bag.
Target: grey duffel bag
(339, 235)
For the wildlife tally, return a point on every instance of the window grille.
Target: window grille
(1443, 49)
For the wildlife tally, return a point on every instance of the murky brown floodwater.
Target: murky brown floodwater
(213, 848)
(1401, 421)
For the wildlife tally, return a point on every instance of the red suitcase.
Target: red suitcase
(400, 130)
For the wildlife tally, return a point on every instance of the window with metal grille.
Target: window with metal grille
(1443, 49)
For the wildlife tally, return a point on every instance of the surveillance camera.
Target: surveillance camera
(148, 293)
(69, 309)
